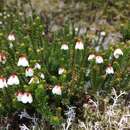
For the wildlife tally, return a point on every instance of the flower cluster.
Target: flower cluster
(24, 97)
(78, 46)
(55, 72)
(98, 59)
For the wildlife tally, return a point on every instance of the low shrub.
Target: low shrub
(47, 72)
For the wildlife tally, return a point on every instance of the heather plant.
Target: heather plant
(61, 76)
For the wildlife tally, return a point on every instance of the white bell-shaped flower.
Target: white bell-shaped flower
(99, 59)
(103, 33)
(117, 53)
(13, 80)
(26, 98)
(11, 37)
(79, 45)
(3, 83)
(109, 70)
(61, 71)
(23, 61)
(29, 72)
(42, 76)
(57, 90)
(37, 66)
(91, 57)
(64, 47)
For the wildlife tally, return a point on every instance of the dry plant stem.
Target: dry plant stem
(115, 99)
